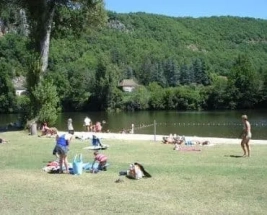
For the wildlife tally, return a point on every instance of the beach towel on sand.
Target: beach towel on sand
(53, 167)
(103, 147)
(188, 149)
(96, 144)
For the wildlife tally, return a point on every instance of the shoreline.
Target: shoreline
(158, 138)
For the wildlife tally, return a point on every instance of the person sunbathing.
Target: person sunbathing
(168, 140)
(3, 140)
(205, 143)
(45, 130)
(189, 142)
(172, 139)
(135, 171)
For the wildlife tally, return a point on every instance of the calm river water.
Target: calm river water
(206, 124)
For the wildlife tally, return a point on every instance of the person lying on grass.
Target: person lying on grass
(3, 140)
(135, 171)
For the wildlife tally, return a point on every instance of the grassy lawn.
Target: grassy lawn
(211, 181)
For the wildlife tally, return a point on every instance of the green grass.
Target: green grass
(206, 182)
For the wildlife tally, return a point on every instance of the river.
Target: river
(225, 124)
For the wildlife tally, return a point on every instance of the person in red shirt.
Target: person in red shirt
(101, 159)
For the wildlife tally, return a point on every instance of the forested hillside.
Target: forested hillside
(180, 63)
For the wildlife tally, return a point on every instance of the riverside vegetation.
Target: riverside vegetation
(180, 63)
(207, 182)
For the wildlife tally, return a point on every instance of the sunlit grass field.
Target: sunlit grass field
(211, 181)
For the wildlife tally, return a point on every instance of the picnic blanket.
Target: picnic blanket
(53, 166)
(103, 147)
(92, 169)
(188, 149)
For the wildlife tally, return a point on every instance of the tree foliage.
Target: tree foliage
(46, 102)
(245, 83)
(7, 92)
(180, 63)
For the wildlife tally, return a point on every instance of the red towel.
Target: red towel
(189, 149)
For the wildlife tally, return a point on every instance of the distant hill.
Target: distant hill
(129, 39)
(194, 55)
(216, 39)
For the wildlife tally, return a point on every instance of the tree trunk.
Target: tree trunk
(45, 40)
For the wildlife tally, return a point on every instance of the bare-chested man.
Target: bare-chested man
(246, 136)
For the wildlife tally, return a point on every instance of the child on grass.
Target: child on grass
(101, 159)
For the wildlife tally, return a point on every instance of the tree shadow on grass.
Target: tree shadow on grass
(234, 156)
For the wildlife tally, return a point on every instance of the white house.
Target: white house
(20, 91)
(128, 85)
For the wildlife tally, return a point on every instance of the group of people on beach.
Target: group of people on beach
(179, 140)
(88, 125)
(245, 139)
(63, 142)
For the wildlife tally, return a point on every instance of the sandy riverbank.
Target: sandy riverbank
(158, 138)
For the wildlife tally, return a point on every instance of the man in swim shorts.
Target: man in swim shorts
(246, 136)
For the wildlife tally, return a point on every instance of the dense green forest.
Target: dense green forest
(180, 63)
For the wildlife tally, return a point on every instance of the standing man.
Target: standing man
(87, 123)
(246, 136)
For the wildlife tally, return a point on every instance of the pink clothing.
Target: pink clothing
(98, 127)
(101, 158)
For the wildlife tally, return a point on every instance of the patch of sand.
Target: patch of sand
(158, 138)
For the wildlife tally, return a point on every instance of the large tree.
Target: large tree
(41, 19)
(244, 83)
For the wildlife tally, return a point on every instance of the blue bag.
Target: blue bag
(77, 165)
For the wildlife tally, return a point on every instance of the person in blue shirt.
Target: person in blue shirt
(61, 150)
